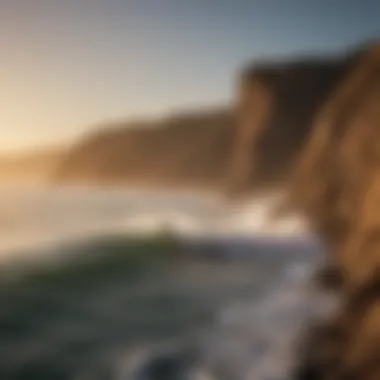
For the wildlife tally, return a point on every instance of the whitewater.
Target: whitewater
(232, 308)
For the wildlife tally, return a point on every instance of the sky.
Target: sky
(67, 66)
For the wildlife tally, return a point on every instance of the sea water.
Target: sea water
(150, 284)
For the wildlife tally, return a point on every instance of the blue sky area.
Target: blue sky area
(67, 66)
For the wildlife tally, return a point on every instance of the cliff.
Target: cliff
(186, 150)
(277, 104)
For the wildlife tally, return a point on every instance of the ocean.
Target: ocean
(148, 284)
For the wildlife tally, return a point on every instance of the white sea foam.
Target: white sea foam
(252, 338)
(32, 217)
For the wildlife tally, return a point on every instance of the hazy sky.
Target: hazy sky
(67, 65)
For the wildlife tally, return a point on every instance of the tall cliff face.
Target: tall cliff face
(277, 104)
(336, 172)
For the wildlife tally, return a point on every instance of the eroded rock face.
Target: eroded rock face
(334, 179)
(276, 106)
(336, 184)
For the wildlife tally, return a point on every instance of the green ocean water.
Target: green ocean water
(77, 318)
